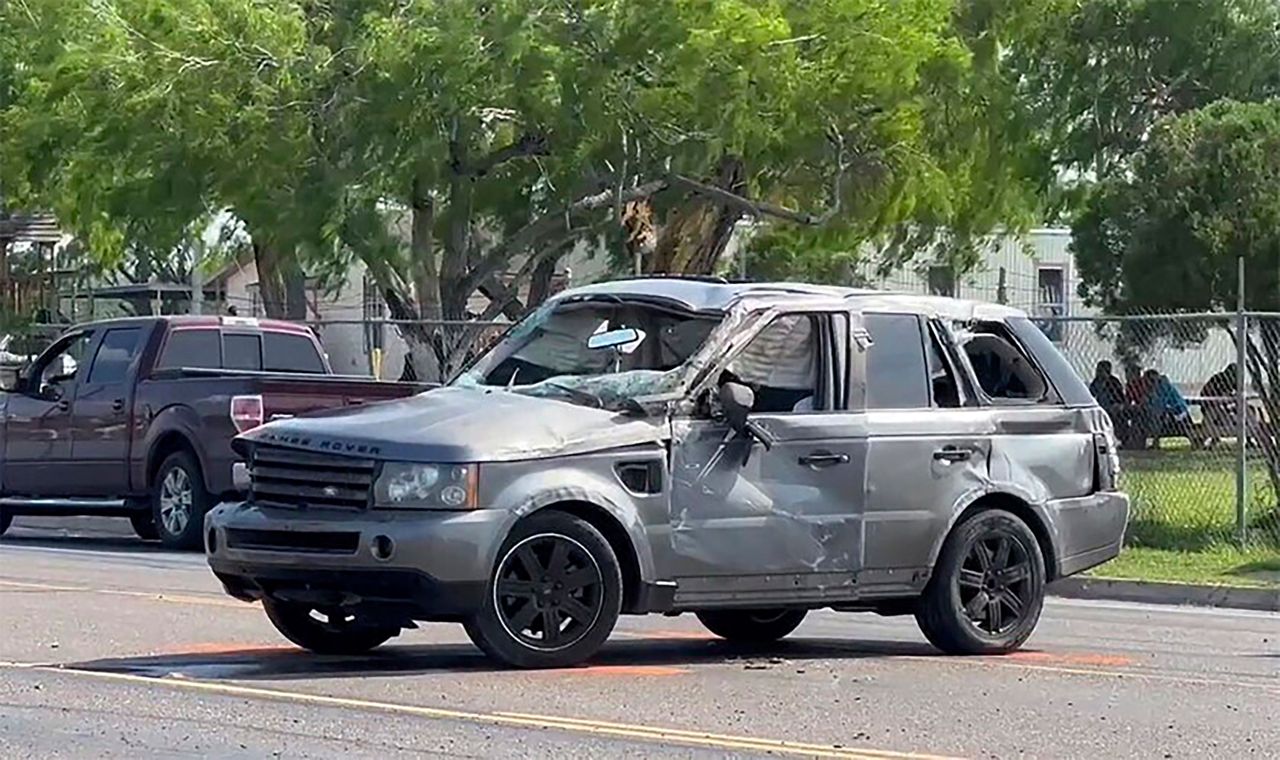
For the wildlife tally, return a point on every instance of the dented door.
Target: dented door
(751, 520)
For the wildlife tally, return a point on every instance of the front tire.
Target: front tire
(326, 631)
(554, 595)
(6, 519)
(987, 589)
(179, 501)
(752, 626)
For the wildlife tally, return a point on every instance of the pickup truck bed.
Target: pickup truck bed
(135, 417)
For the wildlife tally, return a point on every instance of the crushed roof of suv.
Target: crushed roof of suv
(707, 294)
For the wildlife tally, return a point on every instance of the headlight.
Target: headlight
(405, 485)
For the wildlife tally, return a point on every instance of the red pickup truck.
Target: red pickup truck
(134, 417)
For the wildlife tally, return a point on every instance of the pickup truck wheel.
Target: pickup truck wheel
(179, 501)
(6, 519)
(752, 626)
(987, 590)
(554, 597)
(328, 631)
(144, 524)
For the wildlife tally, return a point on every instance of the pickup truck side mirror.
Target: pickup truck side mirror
(736, 400)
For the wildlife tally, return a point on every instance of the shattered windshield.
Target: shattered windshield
(594, 352)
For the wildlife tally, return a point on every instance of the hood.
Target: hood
(456, 425)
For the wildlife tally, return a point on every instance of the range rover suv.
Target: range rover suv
(745, 453)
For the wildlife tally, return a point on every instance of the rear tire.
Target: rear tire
(987, 589)
(554, 595)
(338, 633)
(752, 626)
(144, 524)
(179, 501)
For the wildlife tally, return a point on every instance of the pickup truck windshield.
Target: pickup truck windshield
(607, 349)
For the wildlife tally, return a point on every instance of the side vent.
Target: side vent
(641, 477)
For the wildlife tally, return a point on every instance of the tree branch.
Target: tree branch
(528, 145)
(529, 234)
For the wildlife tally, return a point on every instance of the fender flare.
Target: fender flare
(178, 420)
(1046, 530)
(542, 490)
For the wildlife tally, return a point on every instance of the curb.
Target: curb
(1181, 594)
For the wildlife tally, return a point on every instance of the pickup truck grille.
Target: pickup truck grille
(292, 479)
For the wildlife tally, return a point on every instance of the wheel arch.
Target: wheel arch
(616, 534)
(1017, 506)
(165, 445)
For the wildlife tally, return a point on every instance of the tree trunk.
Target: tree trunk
(698, 230)
(295, 289)
(271, 287)
(422, 251)
(1266, 380)
(541, 280)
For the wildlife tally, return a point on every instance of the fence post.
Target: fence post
(1242, 431)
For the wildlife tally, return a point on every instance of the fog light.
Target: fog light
(383, 547)
(211, 542)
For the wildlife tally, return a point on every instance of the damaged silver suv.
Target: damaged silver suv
(746, 453)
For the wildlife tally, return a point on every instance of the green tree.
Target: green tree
(1095, 76)
(1203, 192)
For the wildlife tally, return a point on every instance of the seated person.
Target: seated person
(1167, 410)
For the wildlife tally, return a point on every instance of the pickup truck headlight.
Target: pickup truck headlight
(408, 485)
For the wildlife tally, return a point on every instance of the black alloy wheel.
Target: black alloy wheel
(995, 583)
(554, 597)
(987, 588)
(549, 591)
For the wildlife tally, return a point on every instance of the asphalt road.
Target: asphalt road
(111, 648)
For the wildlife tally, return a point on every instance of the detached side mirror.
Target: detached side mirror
(736, 400)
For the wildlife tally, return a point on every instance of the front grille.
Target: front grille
(316, 542)
(293, 479)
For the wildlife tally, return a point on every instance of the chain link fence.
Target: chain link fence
(1172, 386)
(1170, 392)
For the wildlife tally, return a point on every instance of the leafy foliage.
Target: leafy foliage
(1203, 192)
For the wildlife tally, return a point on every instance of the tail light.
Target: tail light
(247, 412)
(1106, 454)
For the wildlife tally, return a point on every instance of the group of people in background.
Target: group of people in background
(1149, 407)
(1143, 410)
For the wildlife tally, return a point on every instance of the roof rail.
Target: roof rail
(709, 278)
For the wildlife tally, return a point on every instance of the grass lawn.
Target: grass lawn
(1183, 525)
(1186, 500)
(1222, 566)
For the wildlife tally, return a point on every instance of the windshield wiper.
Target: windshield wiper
(578, 396)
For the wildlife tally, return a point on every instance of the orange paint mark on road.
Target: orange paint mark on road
(214, 648)
(683, 635)
(1071, 658)
(619, 670)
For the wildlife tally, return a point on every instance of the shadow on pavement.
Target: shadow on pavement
(114, 544)
(290, 664)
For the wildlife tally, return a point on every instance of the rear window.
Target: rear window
(241, 351)
(288, 352)
(896, 373)
(200, 349)
(115, 355)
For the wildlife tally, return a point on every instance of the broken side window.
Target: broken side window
(1003, 371)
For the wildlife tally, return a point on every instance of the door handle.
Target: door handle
(117, 406)
(823, 459)
(953, 454)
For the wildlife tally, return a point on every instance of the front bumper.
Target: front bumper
(426, 565)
